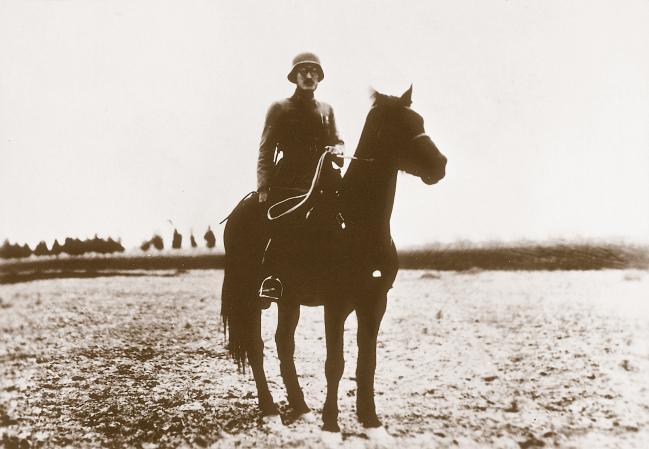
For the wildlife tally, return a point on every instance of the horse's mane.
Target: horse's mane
(355, 181)
(381, 104)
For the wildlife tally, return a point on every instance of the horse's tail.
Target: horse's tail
(233, 315)
(228, 299)
(239, 309)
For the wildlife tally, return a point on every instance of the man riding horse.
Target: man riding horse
(337, 249)
(299, 129)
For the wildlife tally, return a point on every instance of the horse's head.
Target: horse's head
(410, 148)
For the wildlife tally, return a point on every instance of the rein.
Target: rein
(304, 198)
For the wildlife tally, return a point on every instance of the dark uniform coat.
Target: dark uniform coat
(299, 128)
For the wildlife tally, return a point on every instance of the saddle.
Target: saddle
(305, 238)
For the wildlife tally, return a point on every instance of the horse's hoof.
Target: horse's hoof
(331, 440)
(378, 437)
(272, 422)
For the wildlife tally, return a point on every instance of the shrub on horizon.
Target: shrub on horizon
(56, 248)
(6, 250)
(113, 246)
(73, 247)
(41, 249)
(14, 251)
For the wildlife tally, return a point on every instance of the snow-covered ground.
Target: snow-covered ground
(474, 359)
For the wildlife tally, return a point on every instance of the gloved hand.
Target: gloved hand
(336, 153)
(263, 195)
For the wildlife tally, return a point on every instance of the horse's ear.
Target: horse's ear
(374, 95)
(406, 98)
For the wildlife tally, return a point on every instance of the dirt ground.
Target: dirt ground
(465, 360)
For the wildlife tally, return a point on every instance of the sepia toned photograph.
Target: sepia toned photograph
(343, 224)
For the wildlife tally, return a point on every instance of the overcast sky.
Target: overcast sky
(122, 117)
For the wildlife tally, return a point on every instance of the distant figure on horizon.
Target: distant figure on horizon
(210, 240)
(192, 240)
(177, 240)
(157, 242)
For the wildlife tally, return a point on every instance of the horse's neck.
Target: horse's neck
(369, 189)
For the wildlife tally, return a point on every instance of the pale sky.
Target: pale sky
(119, 117)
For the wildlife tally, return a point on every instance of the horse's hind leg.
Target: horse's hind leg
(369, 317)
(256, 359)
(288, 316)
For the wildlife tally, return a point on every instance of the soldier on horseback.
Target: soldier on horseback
(336, 249)
(297, 131)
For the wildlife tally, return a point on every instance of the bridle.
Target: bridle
(418, 136)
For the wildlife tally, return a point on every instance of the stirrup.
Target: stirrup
(271, 289)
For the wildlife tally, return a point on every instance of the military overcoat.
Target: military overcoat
(296, 132)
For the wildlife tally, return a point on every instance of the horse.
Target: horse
(361, 271)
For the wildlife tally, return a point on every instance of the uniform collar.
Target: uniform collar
(303, 96)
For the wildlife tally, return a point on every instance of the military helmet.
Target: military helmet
(305, 58)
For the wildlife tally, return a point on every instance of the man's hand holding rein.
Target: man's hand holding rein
(263, 195)
(337, 152)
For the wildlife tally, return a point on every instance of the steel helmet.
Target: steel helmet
(305, 58)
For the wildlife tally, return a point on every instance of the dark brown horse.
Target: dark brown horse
(357, 268)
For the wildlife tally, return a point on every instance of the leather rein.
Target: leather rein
(304, 198)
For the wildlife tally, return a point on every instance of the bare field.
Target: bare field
(496, 359)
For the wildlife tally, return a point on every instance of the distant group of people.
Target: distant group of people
(77, 247)
(176, 241)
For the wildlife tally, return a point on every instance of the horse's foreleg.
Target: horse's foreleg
(334, 365)
(288, 316)
(256, 359)
(369, 319)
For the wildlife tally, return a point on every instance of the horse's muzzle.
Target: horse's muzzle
(438, 171)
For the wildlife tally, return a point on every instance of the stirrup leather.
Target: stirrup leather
(271, 288)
